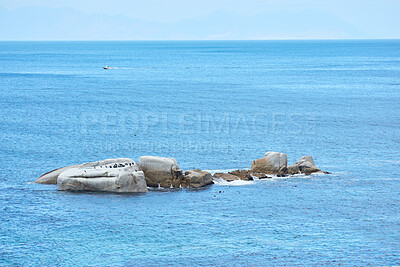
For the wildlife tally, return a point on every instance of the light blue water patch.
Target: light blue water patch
(210, 105)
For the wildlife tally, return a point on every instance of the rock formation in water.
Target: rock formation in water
(51, 176)
(124, 175)
(198, 178)
(120, 179)
(247, 175)
(163, 172)
(305, 165)
(226, 176)
(271, 163)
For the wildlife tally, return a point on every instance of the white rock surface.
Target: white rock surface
(276, 159)
(125, 179)
(51, 177)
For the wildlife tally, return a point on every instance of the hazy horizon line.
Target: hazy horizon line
(205, 40)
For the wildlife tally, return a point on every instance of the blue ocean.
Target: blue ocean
(211, 105)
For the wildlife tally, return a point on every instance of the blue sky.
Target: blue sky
(208, 19)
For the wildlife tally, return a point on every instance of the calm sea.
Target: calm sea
(214, 106)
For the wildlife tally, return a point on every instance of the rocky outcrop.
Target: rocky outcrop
(248, 175)
(198, 178)
(226, 176)
(243, 174)
(163, 172)
(124, 175)
(122, 180)
(271, 163)
(282, 172)
(305, 165)
(51, 177)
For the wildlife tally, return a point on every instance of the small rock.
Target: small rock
(226, 176)
(198, 178)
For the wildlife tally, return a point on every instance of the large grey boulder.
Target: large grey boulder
(164, 172)
(271, 163)
(305, 165)
(122, 180)
(198, 178)
(51, 176)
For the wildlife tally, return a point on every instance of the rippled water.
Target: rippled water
(214, 106)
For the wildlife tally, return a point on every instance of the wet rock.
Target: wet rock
(248, 175)
(283, 171)
(226, 176)
(242, 174)
(260, 175)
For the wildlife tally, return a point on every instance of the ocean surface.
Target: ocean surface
(214, 106)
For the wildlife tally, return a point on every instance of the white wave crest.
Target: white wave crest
(218, 181)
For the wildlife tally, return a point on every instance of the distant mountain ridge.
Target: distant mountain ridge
(69, 24)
